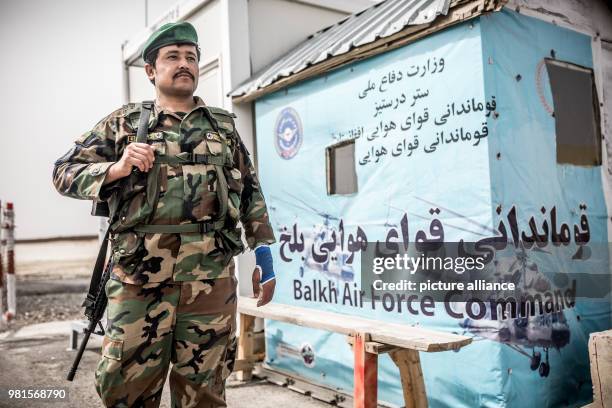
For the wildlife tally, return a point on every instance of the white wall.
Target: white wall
(60, 74)
(140, 87)
(155, 9)
(277, 26)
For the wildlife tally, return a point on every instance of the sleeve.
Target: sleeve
(80, 173)
(253, 210)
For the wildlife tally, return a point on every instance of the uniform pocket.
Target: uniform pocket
(235, 186)
(234, 180)
(133, 207)
(215, 143)
(126, 247)
(112, 349)
(231, 242)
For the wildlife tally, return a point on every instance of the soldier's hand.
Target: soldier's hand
(263, 292)
(139, 155)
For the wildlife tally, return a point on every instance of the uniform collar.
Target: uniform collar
(158, 109)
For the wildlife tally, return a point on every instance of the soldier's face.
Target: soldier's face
(176, 70)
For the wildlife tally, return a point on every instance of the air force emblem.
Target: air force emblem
(288, 133)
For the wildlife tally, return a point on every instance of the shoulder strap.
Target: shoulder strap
(224, 118)
(220, 111)
(143, 125)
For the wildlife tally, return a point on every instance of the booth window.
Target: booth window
(576, 107)
(341, 175)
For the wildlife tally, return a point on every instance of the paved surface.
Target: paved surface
(61, 251)
(37, 356)
(55, 260)
(52, 280)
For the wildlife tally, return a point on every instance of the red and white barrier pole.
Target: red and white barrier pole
(2, 245)
(9, 229)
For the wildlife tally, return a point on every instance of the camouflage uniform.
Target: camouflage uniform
(172, 296)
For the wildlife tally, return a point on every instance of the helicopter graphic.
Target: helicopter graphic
(335, 265)
(305, 352)
(550, 330)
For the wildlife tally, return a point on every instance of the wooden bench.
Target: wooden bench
(368, 338)
(78, 327)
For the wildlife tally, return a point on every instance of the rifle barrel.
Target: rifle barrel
(77, 358)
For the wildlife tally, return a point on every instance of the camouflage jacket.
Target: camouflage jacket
(184, 193)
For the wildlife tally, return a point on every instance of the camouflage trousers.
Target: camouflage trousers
(191, 324)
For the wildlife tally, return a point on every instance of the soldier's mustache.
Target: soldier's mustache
(183, 72)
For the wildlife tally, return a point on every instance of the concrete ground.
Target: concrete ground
(52, 278)
(37, 356)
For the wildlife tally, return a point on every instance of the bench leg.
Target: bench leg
(365, 387)
(74, 340)
(245, 345)
(413, 385)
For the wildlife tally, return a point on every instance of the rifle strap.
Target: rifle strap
(143, 125)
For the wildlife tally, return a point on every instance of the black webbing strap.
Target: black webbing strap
(143, 124)
(194, 158)
(199, 227)
(142, 132)
(97, 272)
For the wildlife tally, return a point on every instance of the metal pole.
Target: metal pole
(11, 298)
(125, 77)
(2, 245)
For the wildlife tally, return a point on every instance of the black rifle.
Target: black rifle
(96, 300)
(95, 303)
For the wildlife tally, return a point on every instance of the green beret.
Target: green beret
(170, 33)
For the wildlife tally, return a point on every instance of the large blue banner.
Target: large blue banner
(447, 145)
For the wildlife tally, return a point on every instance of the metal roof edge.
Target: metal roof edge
(459, 11)
(183, 10)
(344, 6)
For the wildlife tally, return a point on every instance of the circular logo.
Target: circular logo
(288, 133)
(308, 355)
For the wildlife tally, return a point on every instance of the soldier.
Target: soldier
(175, 202)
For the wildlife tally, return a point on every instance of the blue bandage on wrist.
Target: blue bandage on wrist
(263, 259)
